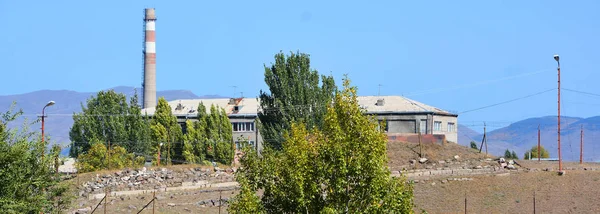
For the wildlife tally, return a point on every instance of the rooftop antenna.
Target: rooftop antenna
(234, 87)
(379, 90)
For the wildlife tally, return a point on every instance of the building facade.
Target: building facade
(401, 115)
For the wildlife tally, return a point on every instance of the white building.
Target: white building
(402, 115)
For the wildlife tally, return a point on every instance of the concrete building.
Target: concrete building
(404, 117)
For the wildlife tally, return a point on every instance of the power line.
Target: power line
(581, 92)
(508, 101)
(429, 91)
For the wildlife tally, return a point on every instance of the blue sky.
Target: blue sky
(455, 55)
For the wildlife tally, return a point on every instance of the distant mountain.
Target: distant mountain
(68, 102)
(522, 135)
(466, 135)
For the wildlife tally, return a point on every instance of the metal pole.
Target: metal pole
(581, 147)
(106, 198)
(420, 145)
(558, 136)
(533, 202)
(220, 191)
(539, 152)
(153, 200)
(485, 138)
(465, 203)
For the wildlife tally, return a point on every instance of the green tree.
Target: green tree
(28, 183)
(514, 155)
(507, 154)
(341, 168)
(108, 117)
(166, 130)
(474, 145)
(534, 153)
(99, 157)
(190, 138)
(297, 94)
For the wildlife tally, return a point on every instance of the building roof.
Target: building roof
(250, 106)
(396, 105)
(188, 107)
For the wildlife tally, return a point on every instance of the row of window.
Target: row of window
(243, 126)
(238, 144)
(437, 126)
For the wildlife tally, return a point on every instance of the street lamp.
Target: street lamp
(556, 57)
(50, 103)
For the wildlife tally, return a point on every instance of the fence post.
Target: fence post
(153, 201)
(465, 203)
(105, 198)
(534, 201)
(220, 201)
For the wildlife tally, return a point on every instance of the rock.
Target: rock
(125, 178)
(412, 161)
(217, 169)
(416, 181)
(170, 204)
(422, 160)
(118, 173)
(502, 160)
(159, 198)
(131, 207)
(503, 165)
(456, 157)
(511, 162)
(478, 167)
(510, 166)
(187, 209)
(84, 210)
(441, 162)
(444, 181)
(433, 184)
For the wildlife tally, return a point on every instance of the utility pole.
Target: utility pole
(484, 140)
(556, 57)
(539, 146)
(420, 145)
(581, 147)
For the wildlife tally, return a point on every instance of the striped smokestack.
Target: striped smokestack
(149, 83)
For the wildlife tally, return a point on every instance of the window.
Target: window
(437, 126)
(451, 127)
(423, 126)
(239, 145)
(386, 124)
(243, 126)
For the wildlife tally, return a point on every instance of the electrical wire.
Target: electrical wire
(508, 101)
(485, 82)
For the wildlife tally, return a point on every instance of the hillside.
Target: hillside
(60, 120)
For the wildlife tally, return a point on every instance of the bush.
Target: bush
(534, 153)
(224, 153)
(97, 158)
(474, 145)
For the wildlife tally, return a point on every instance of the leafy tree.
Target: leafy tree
(514, 155)
(474, 145)
(108, 117)
(27, 181)
(341, 168)
(165, 129)
(534, 153)
(99, 157)
(297, 94)
(219, 142)
(189, 140)
(507, 154)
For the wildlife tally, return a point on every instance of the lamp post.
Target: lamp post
(556, 57)
(50, 103)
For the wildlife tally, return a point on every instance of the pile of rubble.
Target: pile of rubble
(143, 179)
(508, 165)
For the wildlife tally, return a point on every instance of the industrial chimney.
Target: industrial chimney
(149, 83)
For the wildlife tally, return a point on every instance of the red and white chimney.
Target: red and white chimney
(149, 83)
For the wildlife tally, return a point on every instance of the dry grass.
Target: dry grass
(400, 153)
(575, 192)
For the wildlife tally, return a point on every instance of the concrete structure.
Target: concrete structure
(241, 111)
(149, 82)
(404, 117)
